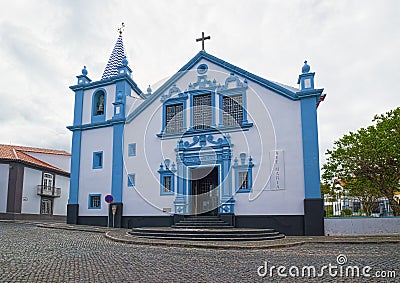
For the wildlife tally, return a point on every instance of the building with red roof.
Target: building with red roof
(34, 182)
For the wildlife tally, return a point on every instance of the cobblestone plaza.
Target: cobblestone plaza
(32, 254)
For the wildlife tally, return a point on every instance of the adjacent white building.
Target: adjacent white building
(34, 183)
(213, 139)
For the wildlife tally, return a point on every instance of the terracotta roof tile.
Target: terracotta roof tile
(21, 153)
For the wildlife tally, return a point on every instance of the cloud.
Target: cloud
(352, 47)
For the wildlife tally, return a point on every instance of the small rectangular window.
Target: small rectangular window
(243, 181)
(167, 184)
(131, 180)
(232, 110)
(174, 118)
(97, 160)
(202, 111)
(94, 201)
(132, 149)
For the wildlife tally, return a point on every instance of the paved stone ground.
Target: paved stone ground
(32, 254)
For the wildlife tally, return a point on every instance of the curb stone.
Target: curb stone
(121, 235)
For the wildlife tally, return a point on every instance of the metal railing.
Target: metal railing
(48, 191)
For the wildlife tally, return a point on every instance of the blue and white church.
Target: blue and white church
(213, 139)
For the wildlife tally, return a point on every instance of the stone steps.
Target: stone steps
(202, 222)
(232, 234)
(206, 228)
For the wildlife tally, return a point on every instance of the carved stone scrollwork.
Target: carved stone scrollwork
(173, 90)
(236, 82)
(202, 140)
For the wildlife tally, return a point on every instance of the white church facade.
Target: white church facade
(213, 139)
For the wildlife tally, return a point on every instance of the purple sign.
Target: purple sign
(109, 198)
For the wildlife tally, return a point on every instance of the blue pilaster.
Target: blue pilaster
(75, 167)
(310, 148)
(76, 138)
(180, 201)
(308, 101)
(117, 162)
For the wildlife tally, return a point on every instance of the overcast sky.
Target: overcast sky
(353, 46)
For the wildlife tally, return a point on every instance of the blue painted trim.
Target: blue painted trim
(103, 124)
(98, 118)
(109, 81)
(130, 178)
(78, 108)
(90, 203)
(122, 89)
(233, 92)
(174, 101)
(286, 92)
(244, 168)
(189, 156)
(303, 77)
(213, 130)
(117, 163)
(97, 160)
(83, 79)
(310, 93)
(75, 167)
(310, 148)
(163, 174)
(193, 94)
(132, 149)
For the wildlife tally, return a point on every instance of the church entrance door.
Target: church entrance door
(204, 191)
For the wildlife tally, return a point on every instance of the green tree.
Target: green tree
(369, 156)
(365, 191)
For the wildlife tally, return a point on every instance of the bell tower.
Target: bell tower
(97, 140)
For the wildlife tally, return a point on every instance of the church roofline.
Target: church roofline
(286, 91)
(278, 88)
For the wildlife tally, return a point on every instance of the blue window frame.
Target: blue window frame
(97, 160)
(99, 106)
(132, 149)
(94, 201)
(167, 179)
(243, 174)
(167, 183)
(131, 180)
(232, 109)
(202, 109)
(174, 115)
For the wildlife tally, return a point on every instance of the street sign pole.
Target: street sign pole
(109, 199)
(114, 211)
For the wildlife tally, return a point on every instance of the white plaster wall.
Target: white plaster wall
(362, 226)
(4, 171)
(145, 198)
(132, 102)
(60, 161)
(286, 122)
(87, 103)
(32, 178)
(60, 204)
(273, 116)
(95, 181)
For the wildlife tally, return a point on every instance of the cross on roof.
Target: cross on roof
(121, 29)
(202, 39)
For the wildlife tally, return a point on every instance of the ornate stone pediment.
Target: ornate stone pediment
(203, 141)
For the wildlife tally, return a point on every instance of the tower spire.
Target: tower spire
(117, 56)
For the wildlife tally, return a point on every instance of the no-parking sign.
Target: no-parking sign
(109, 198)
